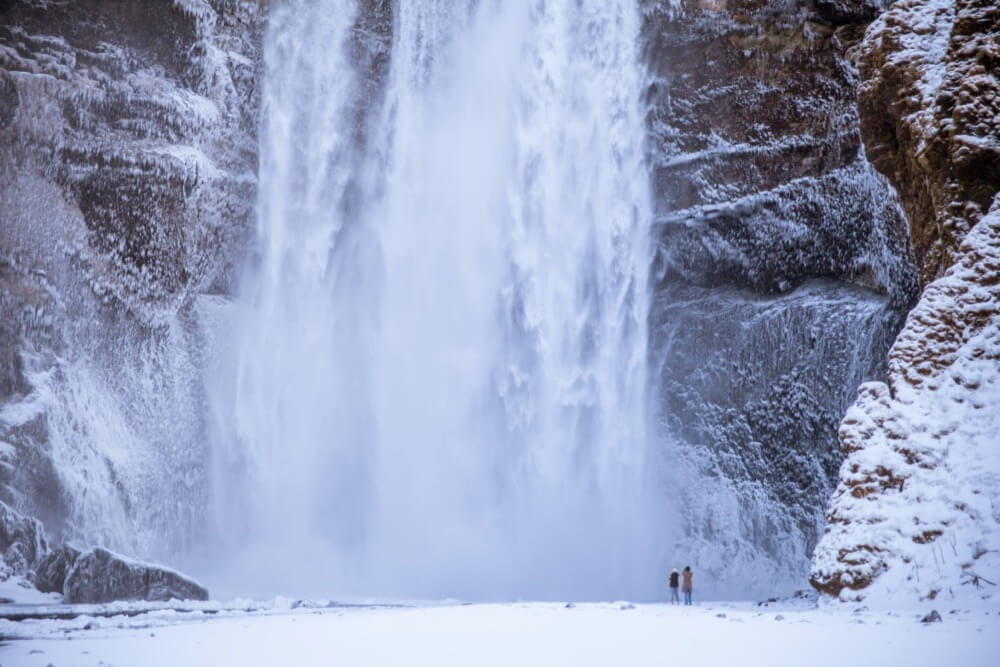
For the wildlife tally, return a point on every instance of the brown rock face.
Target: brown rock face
(929, 105)
(145, 141)
(755, 149)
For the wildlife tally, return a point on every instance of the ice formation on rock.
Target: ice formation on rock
(127, 180)
(761, 188)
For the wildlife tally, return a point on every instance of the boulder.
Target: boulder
(100, 575)
(50, 575)
(22, 541)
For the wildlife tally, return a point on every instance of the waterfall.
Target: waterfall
(434, 381)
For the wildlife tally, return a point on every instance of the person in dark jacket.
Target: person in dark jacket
(688, 587)
(674, 584)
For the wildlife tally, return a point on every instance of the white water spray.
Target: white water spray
(439, 379)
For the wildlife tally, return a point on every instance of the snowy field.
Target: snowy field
(606, 634)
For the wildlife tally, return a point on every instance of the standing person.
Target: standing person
(688, 586)
(674, 583)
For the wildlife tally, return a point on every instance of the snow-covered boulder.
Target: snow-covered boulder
(100, 575)
(916, 513)
(50, 576)
(22, 542)
(93, 576)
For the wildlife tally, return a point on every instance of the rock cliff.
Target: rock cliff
(127, 185)
(929, 102)
(783, 267)
(916, 512)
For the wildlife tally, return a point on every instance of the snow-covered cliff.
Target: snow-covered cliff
(916, 512)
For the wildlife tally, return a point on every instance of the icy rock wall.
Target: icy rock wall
(761, 187)
(753, 387)
(916, 510)
(127, 180)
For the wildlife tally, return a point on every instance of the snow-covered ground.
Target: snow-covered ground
(548, 634)
(17, 589)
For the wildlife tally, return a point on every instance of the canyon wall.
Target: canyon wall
(916, 512)
(778, 136)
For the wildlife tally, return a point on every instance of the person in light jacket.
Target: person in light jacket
(688, 587)
(674, 584)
